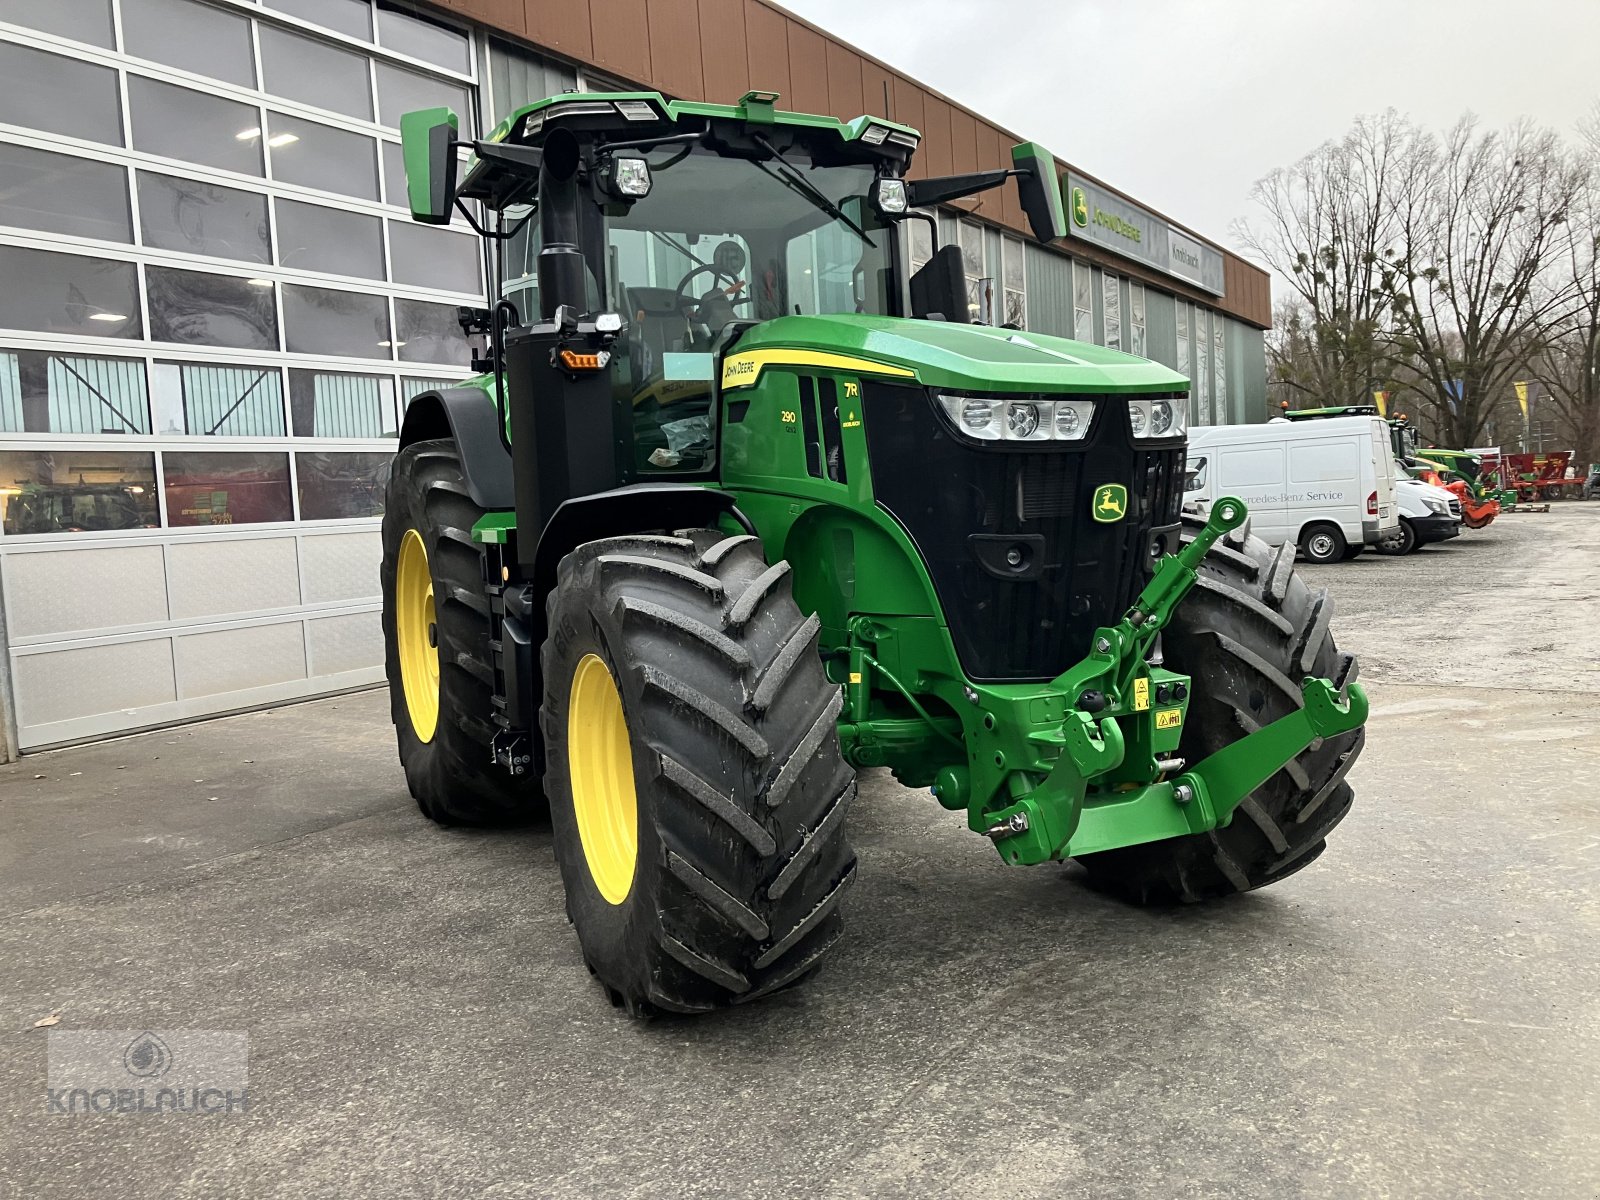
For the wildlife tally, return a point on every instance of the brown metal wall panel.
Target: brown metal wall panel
(874, 79)
(845, 100)
(963, 141)
(675, 48)
(623, 44)
(505, 14)
(808, 69)
(767, 37)
(725, 58)
(560, 25)
(988, 204)
(907, 101)
(933, 155)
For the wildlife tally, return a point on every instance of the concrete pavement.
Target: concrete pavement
(1415, 1015)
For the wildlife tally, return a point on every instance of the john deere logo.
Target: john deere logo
(1110, 503)
(1080, 208)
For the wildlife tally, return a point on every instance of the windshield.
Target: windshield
(719, 240)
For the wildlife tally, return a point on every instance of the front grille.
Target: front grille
(1455, 508)
(962, 505)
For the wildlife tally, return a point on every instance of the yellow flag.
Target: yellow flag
(1522, 397)
(1381, 399)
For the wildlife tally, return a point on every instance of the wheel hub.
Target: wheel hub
(416, 636)
(600, 765)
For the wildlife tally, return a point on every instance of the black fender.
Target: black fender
(634, 508)
(468, 415)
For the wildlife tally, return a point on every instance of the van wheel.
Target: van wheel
(1322, 543)
(1403, 541)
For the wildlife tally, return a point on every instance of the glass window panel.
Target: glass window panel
(312, 72)
(335, 486)
(220, 487)
(216, 400)
(45, 392)
(1111, 309)
(190, 36)
(59, 95)
(432, 41)
(201, 309)
(82, 20)
(352, 17)
(411, 388)
(425, 256)
(77, 491)
(68, 293)
(319, 156)
(345, 324)
(394, 175)
(401, 91)
(203, 218)
(337, 404)
(61, 193)
(182, 123)
(430, 333)
(315, 238)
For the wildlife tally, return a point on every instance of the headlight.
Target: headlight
(890, 196)
(1161, 418)
(630, 178)
(994, 419)
(1436, 506)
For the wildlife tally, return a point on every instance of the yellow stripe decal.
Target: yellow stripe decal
(743, 370)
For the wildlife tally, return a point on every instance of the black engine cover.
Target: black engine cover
(968, 505)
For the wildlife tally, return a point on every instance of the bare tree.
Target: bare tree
(1569, 364)
(1330, 226)
(1485, 220)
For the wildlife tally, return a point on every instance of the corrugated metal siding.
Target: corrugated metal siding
(10, 394)
(233, 401)
(518, 78)
(1247, 371)
(97, 395)
(1049, 291)
(1161, 328)
(346, 406)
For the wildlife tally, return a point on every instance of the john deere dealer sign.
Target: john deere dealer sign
(1126, 229)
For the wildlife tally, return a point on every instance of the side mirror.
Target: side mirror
(427, 144)
(1039, 188)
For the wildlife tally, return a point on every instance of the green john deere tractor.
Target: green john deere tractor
(744, 503)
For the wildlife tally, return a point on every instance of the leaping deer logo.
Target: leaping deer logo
(1110, 502)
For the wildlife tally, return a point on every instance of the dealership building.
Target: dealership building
(214, 308)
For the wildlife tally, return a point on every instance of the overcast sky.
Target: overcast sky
(1184, 104)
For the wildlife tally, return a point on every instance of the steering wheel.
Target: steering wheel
(726, 262)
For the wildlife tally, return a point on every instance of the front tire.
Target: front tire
(436, 645)
(1247, 634)
(1403, 542)
(696, 784)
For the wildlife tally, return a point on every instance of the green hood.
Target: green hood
(972, 358)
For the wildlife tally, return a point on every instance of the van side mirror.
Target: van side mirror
(1039, 187)
(427, 145)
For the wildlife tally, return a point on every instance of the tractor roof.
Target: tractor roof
(622, 118)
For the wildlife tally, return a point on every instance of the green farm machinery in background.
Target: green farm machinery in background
(744, 503)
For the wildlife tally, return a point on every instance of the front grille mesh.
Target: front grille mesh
(944, 490)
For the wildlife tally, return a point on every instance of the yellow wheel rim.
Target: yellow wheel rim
(414, 622)
(600, 760)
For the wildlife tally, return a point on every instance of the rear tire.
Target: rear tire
(1247, 634)
(1403, 542)
(450, 768)
(1322, 543)
(739, 791)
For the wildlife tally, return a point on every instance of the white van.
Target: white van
(1328, 486)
